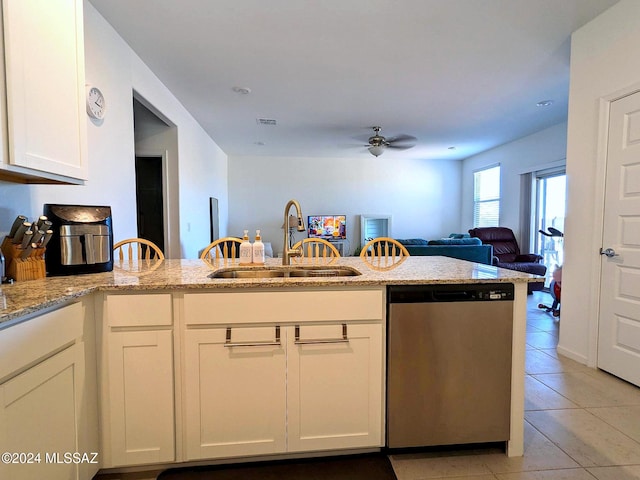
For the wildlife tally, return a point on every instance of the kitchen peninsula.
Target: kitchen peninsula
(238, 367)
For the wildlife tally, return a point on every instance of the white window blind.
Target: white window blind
(486, 197)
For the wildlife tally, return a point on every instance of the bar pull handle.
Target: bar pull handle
(299, 341)
(276, 342)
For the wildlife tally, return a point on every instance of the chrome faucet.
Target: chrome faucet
(288, 252)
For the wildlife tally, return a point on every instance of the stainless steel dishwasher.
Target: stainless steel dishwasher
(449, 364)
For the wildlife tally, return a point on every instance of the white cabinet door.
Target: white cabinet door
(39, 410)
(44, 62)
(234, 395)
(334, 386)
(140, 397)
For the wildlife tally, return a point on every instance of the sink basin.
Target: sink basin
(234, 273)
(286, 272)
(324, 272)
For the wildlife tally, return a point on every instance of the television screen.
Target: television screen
(327, 226)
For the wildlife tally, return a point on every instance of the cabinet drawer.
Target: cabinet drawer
(153, 309)
(283, 307)
(35, 339)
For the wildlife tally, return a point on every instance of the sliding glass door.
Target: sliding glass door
(550, 212)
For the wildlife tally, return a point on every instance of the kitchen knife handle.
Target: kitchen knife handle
(40, 221)
(37, 236)
(27, 251)
(47, 236)
(17, 238)
(20, 219)
(26, 239)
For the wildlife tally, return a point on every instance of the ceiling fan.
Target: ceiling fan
(378, 144)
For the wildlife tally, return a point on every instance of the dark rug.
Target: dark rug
(348, 467)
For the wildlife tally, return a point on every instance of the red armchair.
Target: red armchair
(506, 253)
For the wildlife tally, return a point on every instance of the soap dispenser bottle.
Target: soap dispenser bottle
(246, 251)
(258, 250)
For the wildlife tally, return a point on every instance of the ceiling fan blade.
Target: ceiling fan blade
(401, 138)
(400, 147)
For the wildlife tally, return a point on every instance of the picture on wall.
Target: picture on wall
(215, 221)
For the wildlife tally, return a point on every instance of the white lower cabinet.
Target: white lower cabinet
(265, 387)
(137, 387)
(334, 386)
(39, 411)
(48, 401)
(235, 399)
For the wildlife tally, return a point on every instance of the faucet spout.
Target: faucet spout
(288, 252)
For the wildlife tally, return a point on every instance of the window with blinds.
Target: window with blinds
(486, 197)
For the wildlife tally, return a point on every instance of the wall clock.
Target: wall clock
(95, 103)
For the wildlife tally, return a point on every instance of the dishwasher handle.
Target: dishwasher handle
(452, 296)
(480, 292)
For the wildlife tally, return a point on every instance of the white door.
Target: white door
(619, 329)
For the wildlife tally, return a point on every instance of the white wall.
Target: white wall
(534, 152)
(422, 195)
(113, 67)
(604, 62)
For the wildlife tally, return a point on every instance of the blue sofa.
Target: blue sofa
(465, 248)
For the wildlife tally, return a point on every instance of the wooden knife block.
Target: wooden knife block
(30, 268)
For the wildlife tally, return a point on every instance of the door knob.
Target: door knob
(609, 252)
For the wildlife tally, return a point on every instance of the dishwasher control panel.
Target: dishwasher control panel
(479, 292)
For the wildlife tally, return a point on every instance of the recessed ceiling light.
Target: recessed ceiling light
(544, 103)
(242, 90)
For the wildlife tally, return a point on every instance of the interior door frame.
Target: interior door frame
(165, 194)
(599, 193)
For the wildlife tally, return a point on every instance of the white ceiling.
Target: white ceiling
(453, 73)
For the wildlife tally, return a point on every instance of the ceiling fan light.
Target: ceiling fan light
(376, 150)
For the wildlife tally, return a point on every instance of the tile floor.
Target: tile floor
(580, 423)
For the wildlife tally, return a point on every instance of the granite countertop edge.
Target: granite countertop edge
(24, 299)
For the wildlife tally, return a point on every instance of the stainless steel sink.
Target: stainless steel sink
(314, 272)
(324, 272)
(234, 273)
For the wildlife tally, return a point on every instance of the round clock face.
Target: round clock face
(95, 103)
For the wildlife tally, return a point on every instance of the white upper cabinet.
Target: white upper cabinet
(45, 91)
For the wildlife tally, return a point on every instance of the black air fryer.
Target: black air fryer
(82, 240)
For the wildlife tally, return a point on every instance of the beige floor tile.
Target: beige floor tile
(538, 361)
(592, 389)
(569, 365)
(586, 438)
(537, 396)
(552, 352)
(441, 465)
(541, 340)
(531, 328)
(543, 322)
(616, 473)
(568, 474)
(626, 419)
(539, 454)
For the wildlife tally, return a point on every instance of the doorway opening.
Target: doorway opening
(155, 177)
(550, 195)
(150, 200)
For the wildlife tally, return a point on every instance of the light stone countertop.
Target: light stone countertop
(24, 298)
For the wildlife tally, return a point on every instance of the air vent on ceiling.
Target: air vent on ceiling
(266, 121)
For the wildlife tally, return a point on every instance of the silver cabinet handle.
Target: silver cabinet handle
(299, 341)
(609, 252)
(229, 343)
